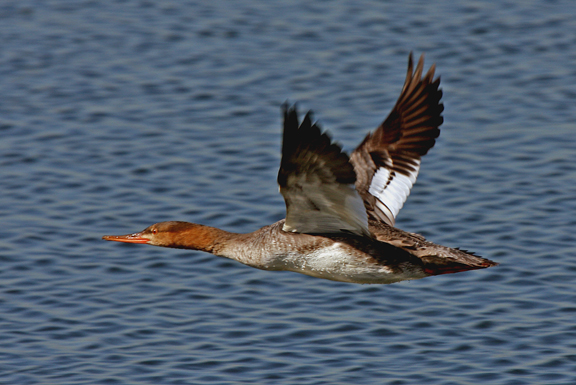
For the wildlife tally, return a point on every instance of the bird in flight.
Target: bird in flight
(340, 209)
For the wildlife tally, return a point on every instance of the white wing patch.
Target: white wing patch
(391, 190)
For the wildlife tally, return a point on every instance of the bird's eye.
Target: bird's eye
(154, 231)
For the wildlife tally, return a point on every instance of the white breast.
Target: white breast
(336, 262)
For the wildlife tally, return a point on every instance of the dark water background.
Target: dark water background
(118, 114)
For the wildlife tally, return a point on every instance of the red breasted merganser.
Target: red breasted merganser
(340, 209)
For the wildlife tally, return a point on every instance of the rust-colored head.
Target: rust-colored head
(183, 235)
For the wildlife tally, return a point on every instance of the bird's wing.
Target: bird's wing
(387, 161)
(317, 180)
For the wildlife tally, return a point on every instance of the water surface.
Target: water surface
(116, 115)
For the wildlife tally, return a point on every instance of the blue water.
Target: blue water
(116, 115)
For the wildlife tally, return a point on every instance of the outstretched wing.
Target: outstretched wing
(387, 162)
(317, 181)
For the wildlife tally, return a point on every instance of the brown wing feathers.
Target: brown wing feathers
(317, 181)
(383, 167)
(412, 125)
(306, 150)
(406, 134)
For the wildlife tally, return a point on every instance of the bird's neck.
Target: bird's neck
(255, 249)
(199, 237)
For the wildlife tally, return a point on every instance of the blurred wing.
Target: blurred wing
(387, 162)
(317, 181)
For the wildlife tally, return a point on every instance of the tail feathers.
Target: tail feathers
(434, 265)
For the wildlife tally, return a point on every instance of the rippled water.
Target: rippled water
(116, 115)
